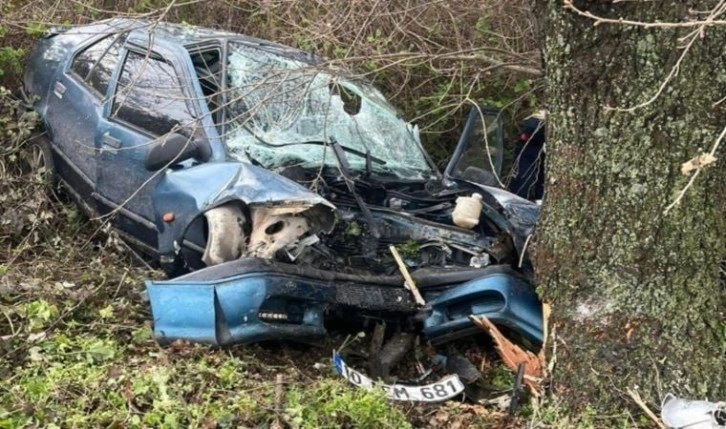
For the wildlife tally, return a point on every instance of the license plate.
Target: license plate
(445, 388)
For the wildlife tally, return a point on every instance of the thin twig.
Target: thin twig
(639, 401)
(711, 21)
(695, 174)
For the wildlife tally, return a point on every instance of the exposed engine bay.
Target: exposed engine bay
(416, 217)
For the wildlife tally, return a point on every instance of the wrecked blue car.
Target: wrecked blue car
(271, 185)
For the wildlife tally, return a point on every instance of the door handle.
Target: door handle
(59, 89)
(110, 141)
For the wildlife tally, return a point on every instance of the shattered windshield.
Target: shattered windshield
(283, 112)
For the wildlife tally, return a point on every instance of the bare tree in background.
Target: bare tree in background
(631, 262)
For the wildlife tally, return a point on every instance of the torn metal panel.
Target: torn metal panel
(522, 212)
(215, 184)
(271, 233)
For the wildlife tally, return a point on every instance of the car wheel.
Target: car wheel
(226, 240)
(38, 161)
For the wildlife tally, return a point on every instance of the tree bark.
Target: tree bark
(637, 294)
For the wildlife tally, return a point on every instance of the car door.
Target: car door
(75, 107)
(478, 155)
(152, 98)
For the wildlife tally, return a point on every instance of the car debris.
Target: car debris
(692, 414)
(513, 357)
(279, 192)
(447, 387)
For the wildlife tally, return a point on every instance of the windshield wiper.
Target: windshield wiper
(365, 154)
(339, 152)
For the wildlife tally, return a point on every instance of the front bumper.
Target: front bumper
(255, 300)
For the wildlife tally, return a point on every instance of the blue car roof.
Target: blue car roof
(183, 34)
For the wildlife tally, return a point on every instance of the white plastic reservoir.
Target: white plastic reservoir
(467, 211)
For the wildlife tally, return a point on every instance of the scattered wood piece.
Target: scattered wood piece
(639, 401)
(697, 162)
(279, 398)
(512, 355)
(410, 284)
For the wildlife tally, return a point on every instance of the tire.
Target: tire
(226, 240)
(38, 161)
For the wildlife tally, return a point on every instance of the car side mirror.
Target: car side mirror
(175, 148)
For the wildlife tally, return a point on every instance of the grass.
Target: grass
(76, 350)
(79, 352)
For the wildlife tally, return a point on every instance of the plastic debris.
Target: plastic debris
(517, 391)
(461, 366)
(692, 414)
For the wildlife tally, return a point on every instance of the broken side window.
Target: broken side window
(208, 67)
(279, 111)
(150, 96)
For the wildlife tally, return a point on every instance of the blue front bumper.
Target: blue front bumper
(505, 298)
(249, 303)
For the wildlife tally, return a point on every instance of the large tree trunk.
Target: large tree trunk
(637, 295)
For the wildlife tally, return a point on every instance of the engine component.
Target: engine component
(272, 231)
(467, 211)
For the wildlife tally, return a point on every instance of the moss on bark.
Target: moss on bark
(637, 294)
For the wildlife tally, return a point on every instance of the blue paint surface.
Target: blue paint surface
(227, 310)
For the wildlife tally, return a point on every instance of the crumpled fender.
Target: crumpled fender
(188, 192)
(519, 215)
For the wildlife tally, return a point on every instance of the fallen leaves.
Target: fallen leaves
(460, 416)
